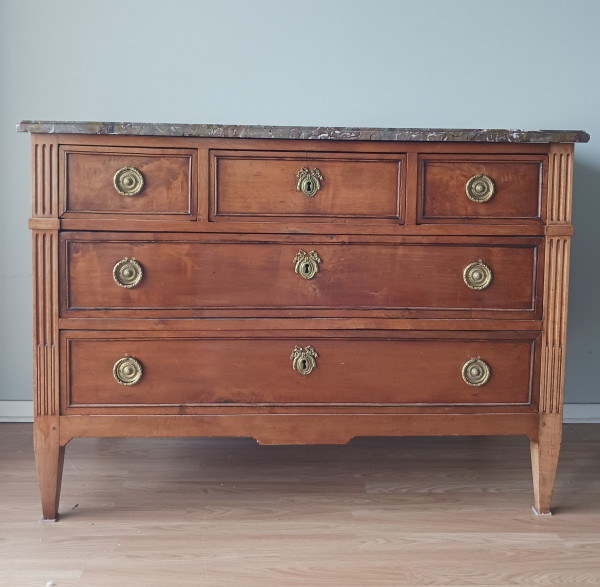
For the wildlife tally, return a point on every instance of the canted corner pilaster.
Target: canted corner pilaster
(556, 277)
(44, 157)
(44, 226)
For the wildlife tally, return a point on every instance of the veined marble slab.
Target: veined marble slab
(304, 132)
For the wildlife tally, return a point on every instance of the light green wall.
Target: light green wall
(431, 63)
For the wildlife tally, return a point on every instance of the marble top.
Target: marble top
(305, 132)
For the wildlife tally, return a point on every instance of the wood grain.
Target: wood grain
(545, 451)
(295, 224)
(216, 229)
(46, 403)
(232, 372)
(169, 186)
(182, 275)
(380, 511)
(49, 452)
(517, 196)
(555, 335)
(45, 323)
(262, 185)
(560, 185)
(44, 160)
(299, 226)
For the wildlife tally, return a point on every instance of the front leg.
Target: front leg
(49, 459)
(544, 460)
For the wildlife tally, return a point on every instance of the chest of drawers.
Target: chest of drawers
(298, 285)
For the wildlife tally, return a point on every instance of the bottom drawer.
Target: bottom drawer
(139, 369)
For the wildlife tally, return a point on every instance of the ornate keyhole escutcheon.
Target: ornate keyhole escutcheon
(476, 372)
(306, 264)
(477, 275)
(304, 359)
(309, 182)
(128, 181)
(127, 371)
(127, 273)
(480, 188)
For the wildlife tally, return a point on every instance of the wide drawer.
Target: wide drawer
(180, 275)
(127, 369)
(497, 189)
(314, 187)
(147, 183)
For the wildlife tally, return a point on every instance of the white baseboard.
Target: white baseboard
(16, 411)
(22, 411)
(582, 413)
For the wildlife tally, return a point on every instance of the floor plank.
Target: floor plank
(379, 511)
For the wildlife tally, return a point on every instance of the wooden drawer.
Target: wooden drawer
(177, 370)
(93, 176)
(264, 186)
(513, 185)
(196, 275)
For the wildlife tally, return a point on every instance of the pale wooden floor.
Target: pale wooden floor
(403, 511)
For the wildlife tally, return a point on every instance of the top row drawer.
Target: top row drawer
(145, 183)
(288, 186)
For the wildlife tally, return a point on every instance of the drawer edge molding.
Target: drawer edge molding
(95, 188)
(236, 371)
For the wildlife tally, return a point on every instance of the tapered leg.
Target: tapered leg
(544, 460)
(49, 458)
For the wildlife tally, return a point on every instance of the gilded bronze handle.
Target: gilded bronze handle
(476, 372)
(477, 275)
(309, 182)
(304, 359)
(127, 273)
(128, 181)
(480, 188)
(306, 264)
(127, 371)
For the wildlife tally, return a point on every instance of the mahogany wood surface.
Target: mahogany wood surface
(49, 460)
(545, 450)
(257, 371)
(263, 185)
(292, 337)
(517, 194)
(220, 308)
(340, 325)
(296, 218)
(182, 274)
(302, 428)
(168, 187)
(338, 226)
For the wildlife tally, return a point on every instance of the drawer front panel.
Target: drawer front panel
(156, 183)
(265, 186)
(185, 275)
(509, 190)
(230, 372)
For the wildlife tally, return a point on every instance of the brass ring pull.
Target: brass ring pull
(480, 188)
(304, 359)
(128, 181)
(306, 264)
(476, 372)
(127, 273)
(477, 275)
(127, 371)
(309, 182)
